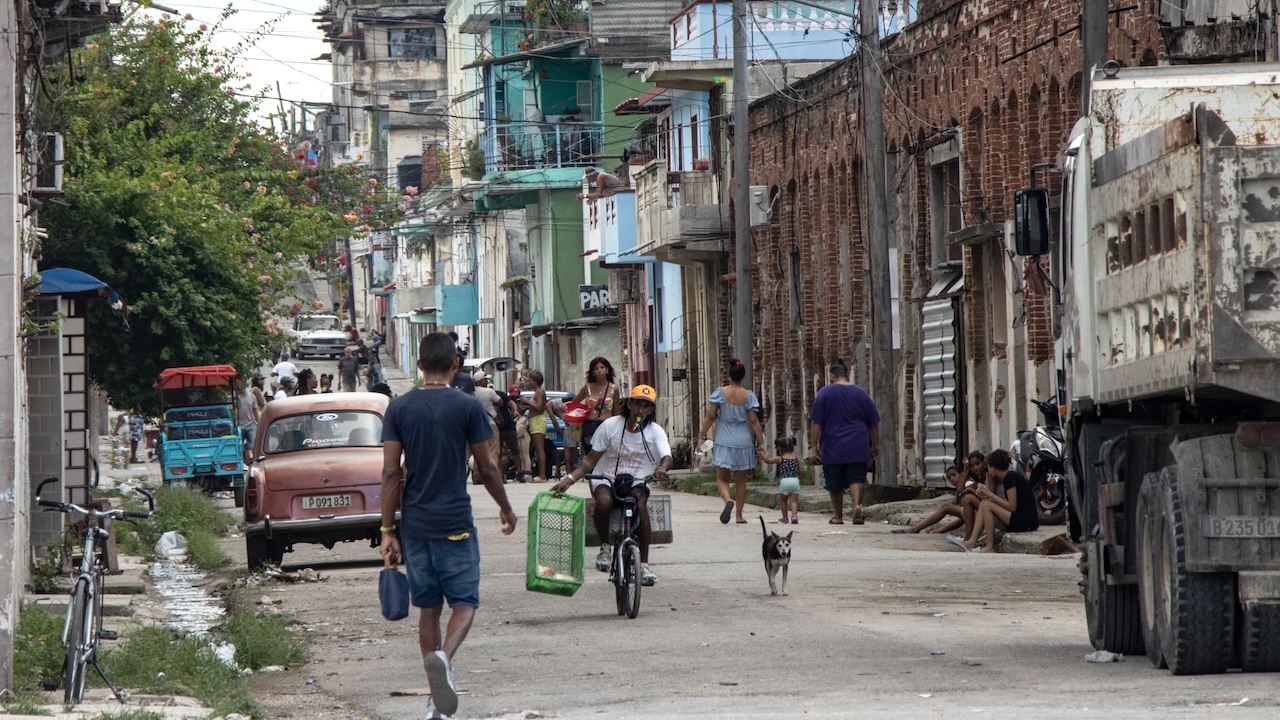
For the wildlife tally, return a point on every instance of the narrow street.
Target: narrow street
(876, 625)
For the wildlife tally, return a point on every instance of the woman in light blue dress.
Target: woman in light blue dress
(738, 434)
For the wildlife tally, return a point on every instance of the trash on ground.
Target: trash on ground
(1104, 656)
(937, 652)
(226, 652)
(939, 614)
(926, 695)
(171, 544)
(1237, 703)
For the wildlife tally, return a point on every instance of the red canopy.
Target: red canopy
(203, 376)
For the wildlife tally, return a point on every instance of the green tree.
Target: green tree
(193, 212)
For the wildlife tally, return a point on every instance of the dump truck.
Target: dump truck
(1166, 278)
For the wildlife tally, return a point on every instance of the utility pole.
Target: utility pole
(883, 387)
(1093, 42)
(743, 342)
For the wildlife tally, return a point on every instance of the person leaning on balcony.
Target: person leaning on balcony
(605, 184)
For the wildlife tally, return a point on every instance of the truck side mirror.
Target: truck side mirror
(1031, 221)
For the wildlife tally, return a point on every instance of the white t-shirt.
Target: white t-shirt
(638, 454)
(284, 369)
(280, 394)
(488, 397)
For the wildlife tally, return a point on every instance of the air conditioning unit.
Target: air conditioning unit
(623, 286)
(49, 161)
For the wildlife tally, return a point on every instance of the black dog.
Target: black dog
(777, 556)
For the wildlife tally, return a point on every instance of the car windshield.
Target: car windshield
(344, 428)
(319, 323)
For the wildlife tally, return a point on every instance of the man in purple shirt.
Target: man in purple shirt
(844, 432)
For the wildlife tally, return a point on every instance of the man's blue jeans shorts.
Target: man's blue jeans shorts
(441, 569)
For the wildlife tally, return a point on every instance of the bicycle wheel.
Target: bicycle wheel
(619, 577)
(78, 618)
(633, 569)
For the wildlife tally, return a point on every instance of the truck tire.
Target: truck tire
(1111, 611)
(1259, 640)
(1152, 590)
(261, 550)
(1196, 619)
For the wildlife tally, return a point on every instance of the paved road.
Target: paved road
(857, 636)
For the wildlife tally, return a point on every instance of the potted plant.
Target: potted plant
(701, 164)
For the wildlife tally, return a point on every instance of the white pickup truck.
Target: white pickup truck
(318, 335)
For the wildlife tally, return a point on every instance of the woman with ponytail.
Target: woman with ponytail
(733, 409)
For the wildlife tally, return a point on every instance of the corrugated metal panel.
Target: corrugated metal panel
(939, 349)
(636, 30)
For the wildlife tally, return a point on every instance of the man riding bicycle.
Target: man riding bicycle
(631, 444)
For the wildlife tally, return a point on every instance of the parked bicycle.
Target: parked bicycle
(83, 630)
(625, 567)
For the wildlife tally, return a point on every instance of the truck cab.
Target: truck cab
(200, 441)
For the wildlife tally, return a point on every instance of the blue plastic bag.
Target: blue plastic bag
(393, 592)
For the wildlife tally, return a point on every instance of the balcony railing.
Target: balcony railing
(678, 211)
(535, 145)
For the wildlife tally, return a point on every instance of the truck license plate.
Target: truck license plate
(326, 502)
(1239, 526)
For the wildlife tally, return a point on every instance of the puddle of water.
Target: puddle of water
(190, 610)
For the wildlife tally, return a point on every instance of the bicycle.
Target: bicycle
(82, 630)
(625, 567)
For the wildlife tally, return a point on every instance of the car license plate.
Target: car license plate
(326, 502)
(1239, 526)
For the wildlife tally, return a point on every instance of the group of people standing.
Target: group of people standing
(521, 416)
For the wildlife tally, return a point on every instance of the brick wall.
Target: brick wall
(1004, 77)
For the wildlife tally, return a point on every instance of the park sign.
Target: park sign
(593, 301)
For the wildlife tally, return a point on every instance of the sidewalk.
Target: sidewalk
(124, 610)
(882, 504)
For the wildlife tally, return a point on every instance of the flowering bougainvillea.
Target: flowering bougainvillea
(176, 197)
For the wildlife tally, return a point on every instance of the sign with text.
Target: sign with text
(593, 301)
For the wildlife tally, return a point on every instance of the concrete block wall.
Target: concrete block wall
(45, 417)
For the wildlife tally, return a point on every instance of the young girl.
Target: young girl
(788, 477)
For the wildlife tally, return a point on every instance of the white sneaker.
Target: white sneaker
(440, 677)
(432, 712)
(604, 558)
(647, 578)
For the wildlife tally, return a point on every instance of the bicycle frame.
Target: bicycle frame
(82, 628)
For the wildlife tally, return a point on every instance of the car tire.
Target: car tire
(261, 550)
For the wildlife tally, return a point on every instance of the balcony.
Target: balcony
(609, 228)
(679, 218)
(535, 145)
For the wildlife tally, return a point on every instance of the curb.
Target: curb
(900, 513)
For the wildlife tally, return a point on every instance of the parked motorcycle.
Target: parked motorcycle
(1039, 455)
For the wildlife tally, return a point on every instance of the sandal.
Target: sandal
(835, 521)
(795, 519)
(742, 522)
(784, 520)
(726, 513)
(858, 521)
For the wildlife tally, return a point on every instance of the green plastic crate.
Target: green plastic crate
(554, 556)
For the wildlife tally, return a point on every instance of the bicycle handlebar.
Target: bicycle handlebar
(115, 513)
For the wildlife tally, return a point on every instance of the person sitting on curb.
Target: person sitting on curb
(960, 481)
(1015, 512)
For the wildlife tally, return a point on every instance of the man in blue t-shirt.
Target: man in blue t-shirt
(433, 428)
(844, 432)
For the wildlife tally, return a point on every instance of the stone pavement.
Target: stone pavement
(883, 504)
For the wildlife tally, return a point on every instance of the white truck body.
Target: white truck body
(1170, 359)
(1175, 282)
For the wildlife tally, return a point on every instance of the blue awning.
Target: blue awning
(66, 281)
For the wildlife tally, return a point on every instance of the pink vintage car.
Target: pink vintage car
(316, 475)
